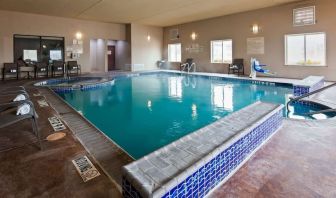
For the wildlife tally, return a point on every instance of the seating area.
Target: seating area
(40, 69)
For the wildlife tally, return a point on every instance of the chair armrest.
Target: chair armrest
(9, 105)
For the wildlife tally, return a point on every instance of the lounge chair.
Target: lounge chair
(13, 89)
(73, 68)
(237, 67)
(9, 117)
(10, 69)
(57, 68)
(189, 63)
(41, 68)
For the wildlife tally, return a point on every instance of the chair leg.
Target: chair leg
(36, 131)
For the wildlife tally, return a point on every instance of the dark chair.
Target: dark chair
(73, 68)
(10, 69)
(8, 116)
(41, 68)
(189, 63)
(57, 68)
(237, 67)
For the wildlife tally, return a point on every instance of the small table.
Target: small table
(27, 70)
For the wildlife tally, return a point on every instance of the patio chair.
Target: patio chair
(73, 68)
(41, 68)
(189, 63)
(10, 69)
(57, 68)
(9, 118)
(237, 67)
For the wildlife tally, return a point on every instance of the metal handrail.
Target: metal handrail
(322, 111)
(307, 94)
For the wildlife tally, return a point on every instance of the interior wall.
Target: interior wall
(32, 24)
(146, 52)
(275, 23)
(123, 55)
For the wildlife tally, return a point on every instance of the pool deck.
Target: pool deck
(299, 161)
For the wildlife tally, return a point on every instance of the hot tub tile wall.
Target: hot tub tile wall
(300, 90)
(218, 166)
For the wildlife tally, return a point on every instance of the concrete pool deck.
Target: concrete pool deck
(289, 165)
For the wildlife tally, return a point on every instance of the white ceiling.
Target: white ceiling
(149, 12)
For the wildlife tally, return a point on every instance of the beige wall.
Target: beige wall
(31, 24)
(275, 23)
(143, 51)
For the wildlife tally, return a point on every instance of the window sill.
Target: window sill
(308, 65)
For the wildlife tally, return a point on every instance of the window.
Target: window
(221, 51)
(174, 52)
(306, 49)
(304, 16)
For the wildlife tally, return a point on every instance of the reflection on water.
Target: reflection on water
(222, 96)
(175, 87)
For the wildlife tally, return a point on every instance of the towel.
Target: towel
(19, 97)
(23, 109)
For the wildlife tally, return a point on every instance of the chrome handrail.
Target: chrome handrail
(307, 94)
(322, 111)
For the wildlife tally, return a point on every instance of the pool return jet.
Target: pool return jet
(257, 67)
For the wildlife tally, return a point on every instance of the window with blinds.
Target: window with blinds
(304, 16)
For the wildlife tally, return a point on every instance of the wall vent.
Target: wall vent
(173, 34)
(304, 16)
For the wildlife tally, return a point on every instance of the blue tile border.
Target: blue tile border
(299, 90)
(220, 167)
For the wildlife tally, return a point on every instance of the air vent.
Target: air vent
(304, 16)
(173, 34)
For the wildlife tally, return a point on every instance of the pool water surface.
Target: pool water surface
(144, 113)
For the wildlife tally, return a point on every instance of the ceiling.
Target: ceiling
(149, 12)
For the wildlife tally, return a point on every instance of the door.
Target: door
(111, 58)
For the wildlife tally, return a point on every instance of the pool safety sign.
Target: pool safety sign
(85, 168)
(56, 123)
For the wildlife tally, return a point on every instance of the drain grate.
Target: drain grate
(42, 103)
(56, 123)
(85, 168)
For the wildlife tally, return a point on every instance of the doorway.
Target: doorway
(111, 58)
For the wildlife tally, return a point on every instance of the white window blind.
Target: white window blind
(221, 51)
(306, 49)
(304, 16)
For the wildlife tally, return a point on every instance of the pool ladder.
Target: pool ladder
(309, 94)
(189, 67)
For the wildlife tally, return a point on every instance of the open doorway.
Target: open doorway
(111, 57)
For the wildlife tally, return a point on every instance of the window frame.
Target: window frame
(305, 50)
(175, 61)
(211, 51)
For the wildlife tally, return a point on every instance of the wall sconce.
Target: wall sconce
(255, 29)
(79, 35)
(148, 37)
(193, 36)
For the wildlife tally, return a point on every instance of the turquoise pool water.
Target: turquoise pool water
(144, 113)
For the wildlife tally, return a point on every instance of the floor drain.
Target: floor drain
(85, 168)
(55, 136)
(43, 103)
(56, 123)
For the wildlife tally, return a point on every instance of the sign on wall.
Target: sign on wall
(256, 45)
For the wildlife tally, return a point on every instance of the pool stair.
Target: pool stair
(196, 164)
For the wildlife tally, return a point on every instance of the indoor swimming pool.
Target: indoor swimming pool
(143, 113)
